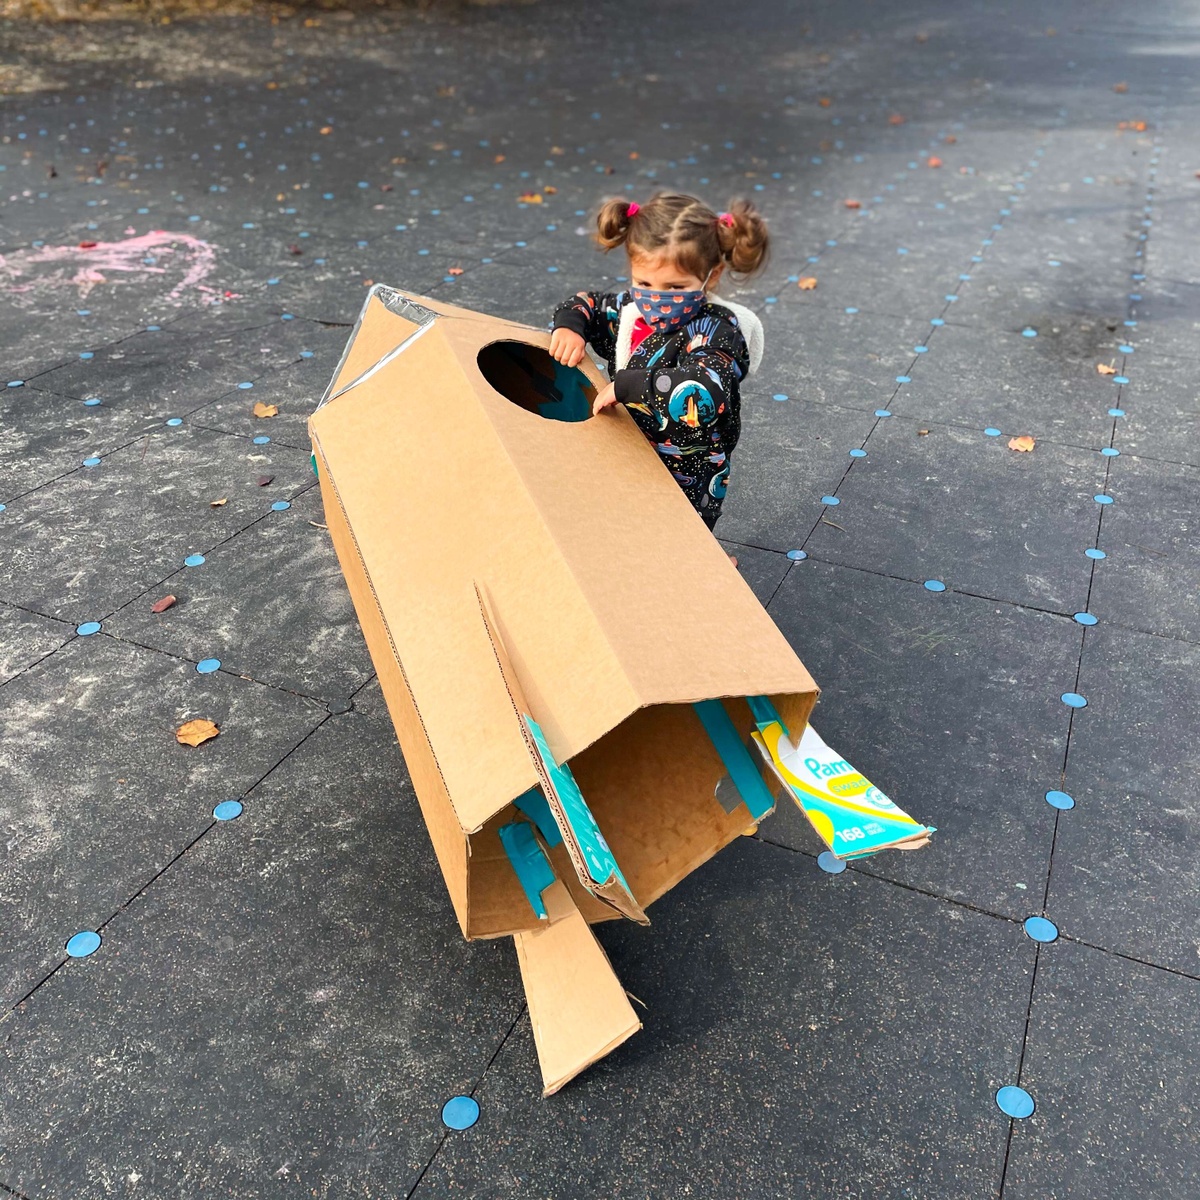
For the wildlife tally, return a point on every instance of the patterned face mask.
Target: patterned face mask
(666, 310)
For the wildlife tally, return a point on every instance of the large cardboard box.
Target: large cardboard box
(566, 651)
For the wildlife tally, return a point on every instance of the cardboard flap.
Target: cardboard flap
(577, 1007)
(593, 860)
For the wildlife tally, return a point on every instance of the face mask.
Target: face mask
(666, 310)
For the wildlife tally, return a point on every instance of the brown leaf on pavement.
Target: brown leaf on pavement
(192, 733)
(1024, 442)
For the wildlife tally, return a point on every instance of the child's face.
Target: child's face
(660, 273)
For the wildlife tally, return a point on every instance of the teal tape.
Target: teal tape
(724, 736)
(764, 713)
(531, 865)
(533, 805)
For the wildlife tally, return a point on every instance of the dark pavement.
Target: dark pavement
(281, 1003)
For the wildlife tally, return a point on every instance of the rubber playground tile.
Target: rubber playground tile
(1161, 410)
(961, 507)
(198, 1042)
(89, 542)
(1151, 577)
(100, 799)
(779, 995)
(789, 454)
(1125, 872)
(763, 570)
(269, 603)
(26, 638)
(949, 704)
(994, 381)
(1114, 1093)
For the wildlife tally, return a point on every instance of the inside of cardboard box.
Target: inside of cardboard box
(532, 380)
(651, 785)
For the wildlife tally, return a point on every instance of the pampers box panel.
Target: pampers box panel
(572, 664)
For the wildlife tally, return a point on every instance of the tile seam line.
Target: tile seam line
(946, 304)
(212, 824)
(477, 1085)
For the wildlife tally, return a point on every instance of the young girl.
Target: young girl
(676, 355)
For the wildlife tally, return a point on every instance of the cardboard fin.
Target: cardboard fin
(590, 855)
(577, 1007)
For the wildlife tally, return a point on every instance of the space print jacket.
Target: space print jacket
(682, 386)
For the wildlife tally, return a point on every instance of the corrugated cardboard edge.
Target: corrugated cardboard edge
(577, 1007)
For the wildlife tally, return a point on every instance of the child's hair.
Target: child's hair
(695, 236)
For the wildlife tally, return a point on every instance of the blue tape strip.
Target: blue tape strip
(533, 804)
(724, 736)
(531, 865)
(764, 712)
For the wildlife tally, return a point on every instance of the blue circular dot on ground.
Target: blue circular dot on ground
(1110, 451)
(934, 585)
(1085, 618)
(858, 453)
(280, 506)
(194, 560)
(228, 810)
(261, 440)
(245, 387)
(1101, 498)
(1092, 552)
(937, 321)
(1057, 799)
(3, 507)
(306, 354)
(1029, 333)
(1120, 379)
(992, 431)
(1124, 349)
(83, 944)
(174, 421)
(153, 328)
(780, 396)
(1116, 412)
(460, 1112)
(830, 863)
(1015, 1102)
(831, 500)
(852, 310)
(1040, 929)
(904, 379)
(882, 412)
(91, 462)
(88, 628)
(797, 555)
(206, 666)
(1073, 700)
(87, 354)
(92, 401)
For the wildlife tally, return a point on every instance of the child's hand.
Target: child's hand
(567, 347)
(604, 399)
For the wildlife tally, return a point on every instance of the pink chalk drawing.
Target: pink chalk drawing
(88, 265)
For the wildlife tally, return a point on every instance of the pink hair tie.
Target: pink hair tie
(633, 209)
(726, 219)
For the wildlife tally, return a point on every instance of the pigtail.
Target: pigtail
(743, 237)
(612, 223)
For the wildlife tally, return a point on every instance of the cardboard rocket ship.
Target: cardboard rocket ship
(572, 664)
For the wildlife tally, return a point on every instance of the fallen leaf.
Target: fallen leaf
(557, 150)
(530, 198)
(950, 139)
(1120, 88)
(447, 90)
(92, 246)
(162, 605)
(807, 283)
(896, 119)
(633, 154)
(219, 503)
(1105, 369)
(922, 433)
(265, 410)
(294, 249)
(327, 129)
(550, 190)
(922, 38)
(852, 203)
(368, 283)
(455, 271)
(1024, 442)
(438, 146)
(934, 161)
(192, 733)
(824, 101)
(499, 158)
(263, 480)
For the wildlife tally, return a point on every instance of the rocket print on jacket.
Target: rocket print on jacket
(681, 386)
